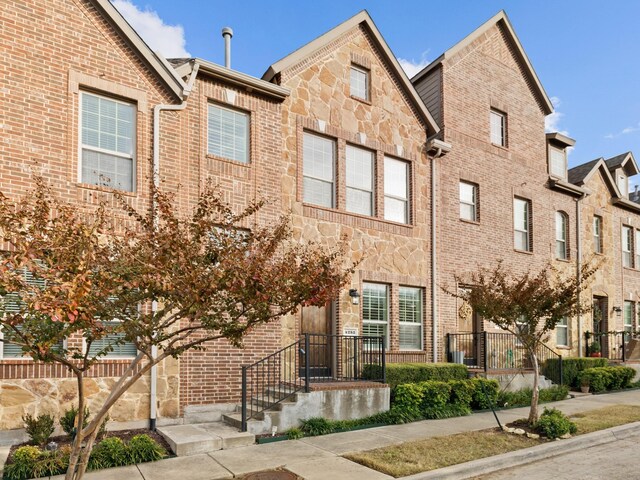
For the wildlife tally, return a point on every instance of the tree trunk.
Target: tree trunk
(533, 412)
(86, 452)
(77, 441)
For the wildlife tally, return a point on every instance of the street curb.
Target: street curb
(487, 465)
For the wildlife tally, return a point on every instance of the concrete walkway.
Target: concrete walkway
(319, 458)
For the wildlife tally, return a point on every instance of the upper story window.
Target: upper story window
(410, 318)
(636, 244)
(359, 84)
(557, 162)
(469, 201)
(396, 190)
(562, 230)
(623, 183)
(107, 139)
(228, 133)
(498, 121)
(627, 246)
(597, 234)
(522, 224)
(360, 181)
(319, 158)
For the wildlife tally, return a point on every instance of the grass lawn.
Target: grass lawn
(439, 452)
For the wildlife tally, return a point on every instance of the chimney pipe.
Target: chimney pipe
(227, 33)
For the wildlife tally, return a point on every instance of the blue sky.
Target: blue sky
(586, 52)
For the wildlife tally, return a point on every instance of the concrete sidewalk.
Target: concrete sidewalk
(319, 458)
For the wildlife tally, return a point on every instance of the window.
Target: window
(469, 201)
(621, 180)
(360, 198)
(498, 121)
(396, 190)
(637, 248)
(627, 246)
(318, 169)
(562, 228)
(359, 82)
(597, 234)
(522, 224)
(107, 142)
(375, 310)
(562, 332)
(557, 162)
(627, 312)
(410, 309)
(120, 350)
(228, 133)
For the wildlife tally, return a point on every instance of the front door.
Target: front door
(317, 322)
(600, 324)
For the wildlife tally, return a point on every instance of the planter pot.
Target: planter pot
(596, 354)
(584, 389)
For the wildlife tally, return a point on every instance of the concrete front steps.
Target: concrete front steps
(193, 439)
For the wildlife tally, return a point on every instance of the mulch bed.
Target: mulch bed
(124, 435)
(523, 424)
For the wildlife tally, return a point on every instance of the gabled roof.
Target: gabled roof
(581, 174)
(156, 61)
(365, 21)
(577, 175)
(625, 161)
(499, 19)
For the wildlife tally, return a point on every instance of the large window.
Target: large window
(375, 310)
(469, 201)
(319, 155)
(107, 140)
(498, 121)
(636, 244)
(627, 246)
(228, 133)
(562, 229)
(410, 309)
(628, 313)
(118, 347)
(557, 163)
(597, 234)
(360, 181)
(396, 190)
(522, 224)
(562, 332)
(359, 84)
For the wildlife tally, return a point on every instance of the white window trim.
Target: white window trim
(380, 322)
(474, 205)
(566, 328)
(503, 127)
(563, 153)
(597, 238)
(407, 215)
(108, 356)
(367, 82)
(373, 181)
(412, 324)
(247, 115)
(564, 218)
(334, 160)
(527, 230)
(627, 236)
(134, 146)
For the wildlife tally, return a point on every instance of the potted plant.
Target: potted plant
(595, 349)
(584, 384)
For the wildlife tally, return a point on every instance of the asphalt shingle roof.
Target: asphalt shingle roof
(577, 174)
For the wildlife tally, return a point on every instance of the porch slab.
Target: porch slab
(186, 440)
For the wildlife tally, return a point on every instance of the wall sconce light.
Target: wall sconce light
(355, 296)
(618, 311)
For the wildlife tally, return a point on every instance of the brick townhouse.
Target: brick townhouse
(424, 180)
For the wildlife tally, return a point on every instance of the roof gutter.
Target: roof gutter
(436, 149)
(153, 387)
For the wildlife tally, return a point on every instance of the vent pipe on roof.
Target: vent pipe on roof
(227, 33)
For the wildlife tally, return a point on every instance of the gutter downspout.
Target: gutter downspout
(440, 148)
(579, 266)
(153, 386)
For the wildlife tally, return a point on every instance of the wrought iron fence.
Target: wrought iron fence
(612, 345)
(497, 352)
(313, 358)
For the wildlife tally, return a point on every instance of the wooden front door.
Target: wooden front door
(318, 323)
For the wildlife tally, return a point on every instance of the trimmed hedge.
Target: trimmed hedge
(401, 373)
(571, 368)
(522, 398)
(608, 378)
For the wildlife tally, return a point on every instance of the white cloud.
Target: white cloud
(552, 121)
(624, 131)
(167, 39)
(412, 67)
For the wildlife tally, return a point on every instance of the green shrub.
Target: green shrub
(485, 393)
(408, 399)
(522, 398)
(402, 373)
(68, 420)
(462, 392)
(317, 426)
(39, 429)
(553, 424)
(436, 395)
(143, 448)
(294, 433)
(571, 369)
(110, 452)
(607, 378)
(31, 462)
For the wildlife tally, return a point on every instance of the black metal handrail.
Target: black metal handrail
(611, 345)
(313, 358)
(497, 351)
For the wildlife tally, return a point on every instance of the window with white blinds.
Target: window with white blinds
(375, 310)
(228, 133)
(410, 316)
(120, 349)
(360, 180)
(107, 138)
(396, 190)
(319, 158)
